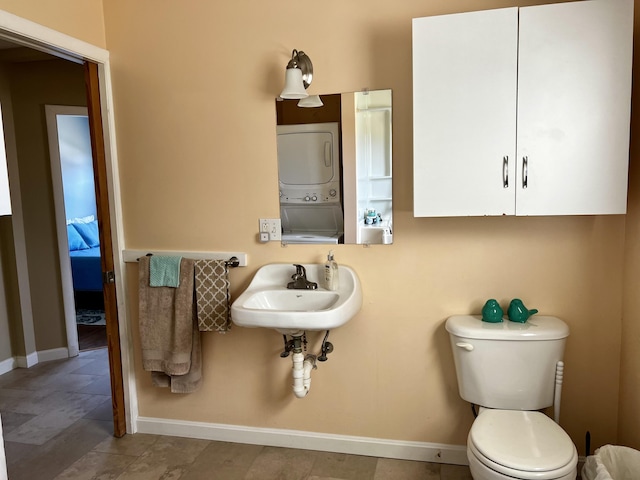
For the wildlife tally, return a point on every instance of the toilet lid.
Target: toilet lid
(525, 441)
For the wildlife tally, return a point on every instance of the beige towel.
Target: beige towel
(189, 382)
(212, 295)
(168, 332)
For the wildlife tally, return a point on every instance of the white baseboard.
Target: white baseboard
(7, 365)
(28, 361)
(375, 447)
(37, 357)
(53, 354)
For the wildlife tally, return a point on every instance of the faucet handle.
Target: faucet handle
(300, 279)
(300, 270)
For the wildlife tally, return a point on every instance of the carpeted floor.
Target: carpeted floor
(90, 317)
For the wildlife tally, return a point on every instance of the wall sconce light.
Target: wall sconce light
(312, 101)
(298, 76)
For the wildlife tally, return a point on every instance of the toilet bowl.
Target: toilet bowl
(511, 444)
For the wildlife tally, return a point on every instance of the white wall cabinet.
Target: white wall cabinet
(523, 111)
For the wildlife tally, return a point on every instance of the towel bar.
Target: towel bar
(231, 263)
(233, 259)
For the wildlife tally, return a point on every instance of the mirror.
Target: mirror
(335, 169)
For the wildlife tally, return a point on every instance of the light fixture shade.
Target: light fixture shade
(293, 86)
(312, 101)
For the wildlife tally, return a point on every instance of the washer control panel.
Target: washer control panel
(300, 194)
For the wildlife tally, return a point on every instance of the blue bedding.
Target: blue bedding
(86, 269)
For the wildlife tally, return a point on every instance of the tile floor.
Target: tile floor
(57, 425)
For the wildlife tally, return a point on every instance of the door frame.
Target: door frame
(32, 35)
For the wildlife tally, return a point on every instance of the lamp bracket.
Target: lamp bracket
(301, 60)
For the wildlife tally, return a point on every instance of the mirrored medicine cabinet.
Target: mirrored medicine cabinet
(335, 169)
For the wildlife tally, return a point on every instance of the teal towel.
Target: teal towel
(164, 271)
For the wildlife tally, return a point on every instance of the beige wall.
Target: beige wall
(629, 420)
(194, 104)
(196, 130)
(82, 19)
(11, 292)
(6, 350)
(12, 342)
(33, 85)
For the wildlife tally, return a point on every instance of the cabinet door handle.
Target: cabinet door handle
(525, 171)
(505, 171)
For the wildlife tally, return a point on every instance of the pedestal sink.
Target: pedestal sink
(268, 303)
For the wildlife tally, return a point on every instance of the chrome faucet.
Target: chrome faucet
(300, 281)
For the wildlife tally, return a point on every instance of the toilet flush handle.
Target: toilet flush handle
(467, 346)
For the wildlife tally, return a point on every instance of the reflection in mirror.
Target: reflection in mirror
(335, 169)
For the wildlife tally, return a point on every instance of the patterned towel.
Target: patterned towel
(212, 295)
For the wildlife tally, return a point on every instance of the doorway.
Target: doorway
(72, 177)
(96, 68)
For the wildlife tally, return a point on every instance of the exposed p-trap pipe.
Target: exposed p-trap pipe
(302, 367)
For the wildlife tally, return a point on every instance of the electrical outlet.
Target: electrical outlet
(272, 227)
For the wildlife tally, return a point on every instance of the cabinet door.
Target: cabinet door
(464, 113)
(574, 94)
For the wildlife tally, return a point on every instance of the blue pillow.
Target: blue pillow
(76, 242)
(89, 232)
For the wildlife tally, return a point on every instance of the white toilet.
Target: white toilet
(510, 370)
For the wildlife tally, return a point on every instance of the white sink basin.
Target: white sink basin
(267, 302)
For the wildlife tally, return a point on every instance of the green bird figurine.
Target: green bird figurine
(492, 311)
(518, 312)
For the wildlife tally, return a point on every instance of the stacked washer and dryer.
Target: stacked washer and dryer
(310, 189)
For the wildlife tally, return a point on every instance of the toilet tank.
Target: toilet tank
(507, 365)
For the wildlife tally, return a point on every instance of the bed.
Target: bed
(86, 270)
(84, 250)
